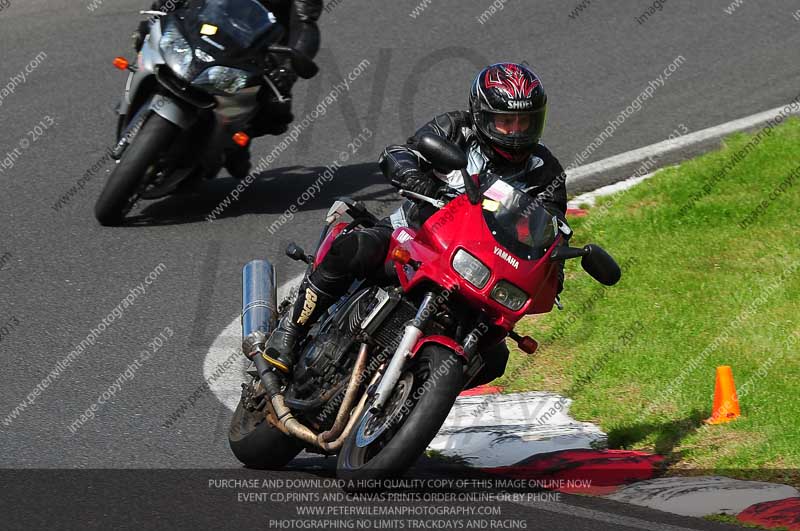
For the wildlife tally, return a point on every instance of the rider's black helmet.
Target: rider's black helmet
(508, 106)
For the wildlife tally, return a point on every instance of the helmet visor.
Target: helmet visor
(513, 129)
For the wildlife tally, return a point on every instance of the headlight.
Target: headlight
(203, 56)
(177, 51)
(471, 268)
(509, 295)
(222, 79)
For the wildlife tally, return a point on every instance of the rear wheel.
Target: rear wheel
(257, 443)
(382, 446)
(134, 170)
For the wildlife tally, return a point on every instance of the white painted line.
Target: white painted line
(703, 495)
(670, 146)
(590, 198)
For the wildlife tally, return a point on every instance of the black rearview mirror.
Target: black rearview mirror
(600, 265)
(443, 154)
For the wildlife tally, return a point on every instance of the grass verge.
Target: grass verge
(711, 250)
(732, 520)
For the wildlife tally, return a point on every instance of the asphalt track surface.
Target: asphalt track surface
(61, 273)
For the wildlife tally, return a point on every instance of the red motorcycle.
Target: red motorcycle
(378, 375)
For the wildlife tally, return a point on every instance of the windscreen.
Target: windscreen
(518, 221)
(243, 21)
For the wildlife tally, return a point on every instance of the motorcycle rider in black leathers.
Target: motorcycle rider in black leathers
(500, 133)
(275, 114)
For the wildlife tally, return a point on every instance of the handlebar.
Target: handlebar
(471, 190)
(303, 65)
(414, 195)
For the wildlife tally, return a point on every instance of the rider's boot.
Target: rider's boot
(274, 117)
(311, 303)
(237, 162)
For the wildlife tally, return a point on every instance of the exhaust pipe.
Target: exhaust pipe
(259, 305)
(333, 439)
(259, 318)
(349, 398)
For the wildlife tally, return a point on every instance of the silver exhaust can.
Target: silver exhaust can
(259, 305)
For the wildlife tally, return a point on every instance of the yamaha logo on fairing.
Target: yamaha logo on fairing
(521, 104)
(507, 257)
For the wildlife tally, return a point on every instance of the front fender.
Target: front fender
(142, 90)
(174, 111)
(445, 341)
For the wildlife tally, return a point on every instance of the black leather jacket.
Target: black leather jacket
(307, 10)
(541, 175)
(300, 16)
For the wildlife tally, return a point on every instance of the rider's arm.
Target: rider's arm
(299, 17)
(549, 185)
(309, 10)
(403, 165)
(549, 181)
(303, 30)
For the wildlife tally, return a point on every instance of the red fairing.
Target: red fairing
(461, 225)
(326, 244)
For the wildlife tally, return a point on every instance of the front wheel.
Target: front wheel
(386, 445)
(137, 166)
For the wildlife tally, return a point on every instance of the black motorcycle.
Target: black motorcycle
(190, 96)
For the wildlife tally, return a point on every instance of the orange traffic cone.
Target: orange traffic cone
(726, 402)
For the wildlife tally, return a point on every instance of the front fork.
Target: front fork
(411, 335)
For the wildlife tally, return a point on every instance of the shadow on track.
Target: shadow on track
(668, 435)
(272, 193)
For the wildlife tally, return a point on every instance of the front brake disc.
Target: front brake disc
(373, 426)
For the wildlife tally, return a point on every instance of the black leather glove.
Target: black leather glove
(416, 181)
(284, 79)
